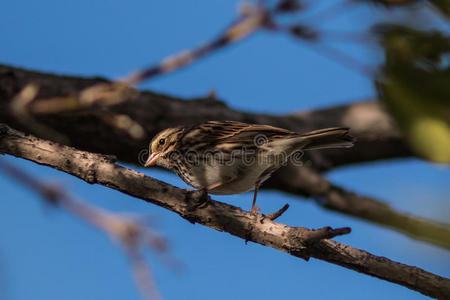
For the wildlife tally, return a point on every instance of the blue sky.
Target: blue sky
(47, 254)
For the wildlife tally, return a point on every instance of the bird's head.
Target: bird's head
(163, 143)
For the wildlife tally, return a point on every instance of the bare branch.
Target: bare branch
(130, 234)
(315, 236)
(297, 241)
(104, 94)
(277, 214)
(377, 139)
(253, 17)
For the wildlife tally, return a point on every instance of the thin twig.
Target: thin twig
(250, 20)
(343, 59)
(331, 12)
(277, 214)
(325, 233)
(253, 17)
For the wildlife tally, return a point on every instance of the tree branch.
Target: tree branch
(90, 130)
(87, 130)
(297, 241)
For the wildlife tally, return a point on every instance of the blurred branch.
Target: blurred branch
(19, 108)
(307, 182)
(128, 232)
(252, 17)
(195, 207)
(377, 137)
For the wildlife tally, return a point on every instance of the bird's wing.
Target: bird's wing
(228, 135)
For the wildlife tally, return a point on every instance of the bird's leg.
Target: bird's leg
(202, 194)
(214, 185)
(219, 183)
(255, 209)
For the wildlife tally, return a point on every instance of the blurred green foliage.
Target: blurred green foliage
(414, 85)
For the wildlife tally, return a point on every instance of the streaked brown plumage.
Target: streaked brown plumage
(227, 157)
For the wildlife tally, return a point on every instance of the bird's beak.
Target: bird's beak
(152, 159)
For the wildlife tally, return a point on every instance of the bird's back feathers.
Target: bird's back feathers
(229, 135)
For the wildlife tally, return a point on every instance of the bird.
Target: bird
(230, 157)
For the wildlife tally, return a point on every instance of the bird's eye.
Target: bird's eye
(162, 141)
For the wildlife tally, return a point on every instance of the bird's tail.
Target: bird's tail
(336, 137)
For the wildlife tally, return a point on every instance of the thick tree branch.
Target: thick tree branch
(297, 241)
(88, 130)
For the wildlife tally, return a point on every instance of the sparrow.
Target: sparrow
(228, 157)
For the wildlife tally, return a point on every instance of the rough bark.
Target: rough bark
(87, 129)
(196, 207)
(377, 139)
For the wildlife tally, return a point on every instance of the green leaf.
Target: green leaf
(415, 87)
